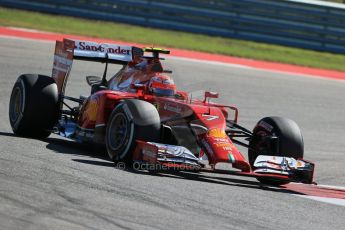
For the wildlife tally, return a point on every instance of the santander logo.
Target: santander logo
(101, 48)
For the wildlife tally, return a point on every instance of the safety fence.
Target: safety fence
(306, 24)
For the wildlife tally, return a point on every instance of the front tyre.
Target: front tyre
(290, 142)
(131, 120)
(33, 109)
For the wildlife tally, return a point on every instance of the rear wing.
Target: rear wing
(68, 50)
(111, 53)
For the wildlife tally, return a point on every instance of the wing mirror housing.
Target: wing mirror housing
(138, 86)
(209, 94)
(141, 88)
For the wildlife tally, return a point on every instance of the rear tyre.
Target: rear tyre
(290, 142)
(131, 120)
(33, 109)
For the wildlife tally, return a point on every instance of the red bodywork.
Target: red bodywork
(216, 144)
(96, 109)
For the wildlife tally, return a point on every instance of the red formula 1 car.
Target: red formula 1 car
(142, 119)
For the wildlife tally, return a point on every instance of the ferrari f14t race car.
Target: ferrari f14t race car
(141, 118)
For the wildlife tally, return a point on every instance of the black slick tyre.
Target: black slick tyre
(290, 142)
(33, 108)
(131, 120)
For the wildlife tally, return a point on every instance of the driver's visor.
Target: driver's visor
(163, 92)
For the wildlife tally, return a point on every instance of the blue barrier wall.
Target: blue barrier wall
(310, 25)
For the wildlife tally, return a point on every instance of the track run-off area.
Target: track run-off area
(60, 184)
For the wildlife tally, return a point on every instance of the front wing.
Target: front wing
(167, 157)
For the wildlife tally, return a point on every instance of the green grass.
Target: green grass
(337, 1)
(173, 39)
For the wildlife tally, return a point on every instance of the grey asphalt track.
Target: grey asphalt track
(59, 184)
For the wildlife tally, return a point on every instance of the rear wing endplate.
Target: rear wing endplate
(68, 50)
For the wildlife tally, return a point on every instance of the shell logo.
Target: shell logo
(217, 133)
(299, 164)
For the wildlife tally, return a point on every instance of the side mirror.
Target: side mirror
(209, 94)
(138, 86)
(93, 80)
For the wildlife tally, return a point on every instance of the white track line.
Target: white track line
(211, 63)
(254, 68)
(331, 187)
(26, 39)
(334, 201)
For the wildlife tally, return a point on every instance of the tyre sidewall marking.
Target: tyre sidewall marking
(131, 134)
(128, 116)
(20, 116)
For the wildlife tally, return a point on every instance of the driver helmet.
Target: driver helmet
(161, 85)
